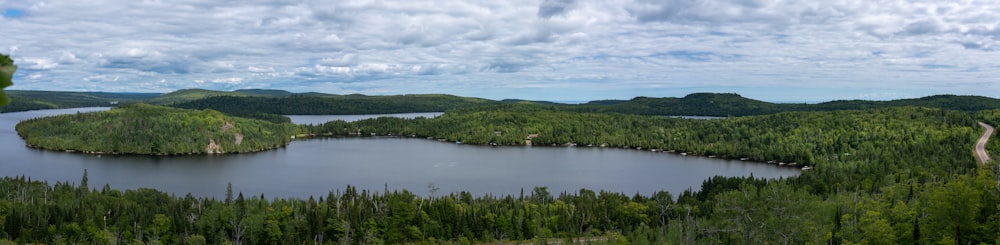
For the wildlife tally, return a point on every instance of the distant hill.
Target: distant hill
(24, 100)
(727, 104)
(185, 95)
(513, 101)
(268, 92)
(333, 104)
(263, 103)
(605, 102)
(697, 104)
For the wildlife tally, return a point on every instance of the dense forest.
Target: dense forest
(697, 104)
(895, 175)
(148, 129)
(723, 105)
(826, 140)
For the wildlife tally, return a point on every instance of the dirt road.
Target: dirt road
(981, 155)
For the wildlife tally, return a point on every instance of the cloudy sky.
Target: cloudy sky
(562, 50)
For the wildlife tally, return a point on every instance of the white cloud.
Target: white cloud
(228, 80)
(38, 64)
(622, 47)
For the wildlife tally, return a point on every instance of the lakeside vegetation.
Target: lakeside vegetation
(155, 130)
(883, 175)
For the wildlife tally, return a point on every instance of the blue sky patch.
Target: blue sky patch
(12, 13)
(937, 66)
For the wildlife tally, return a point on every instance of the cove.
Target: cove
(316, 166)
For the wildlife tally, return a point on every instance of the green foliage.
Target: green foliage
(37, 212)
(7, 69)
(148, 129)
(722, 105)
(805, 138)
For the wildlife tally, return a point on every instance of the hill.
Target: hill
(266, 103)
(154, 130)
(697, 104)
(185, 95)
(24, 100)
(334, 104)
(267, 92)
(727, 104)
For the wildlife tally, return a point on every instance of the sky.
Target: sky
(556, 50)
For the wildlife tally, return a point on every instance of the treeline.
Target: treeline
(332, 104)
(698, 104)
(260, 103)
(725, 104)
(950, 209)
(148, 129)
(25, 100)
(35, 212)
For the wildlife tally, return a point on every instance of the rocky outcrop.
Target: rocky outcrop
(213, 148)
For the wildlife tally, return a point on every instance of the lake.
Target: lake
(320, 119)
(314, 167)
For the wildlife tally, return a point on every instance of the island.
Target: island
(154, 130)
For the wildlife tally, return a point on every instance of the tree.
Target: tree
(876, 229)
(7, 69)
(161, 228)
(953, 207)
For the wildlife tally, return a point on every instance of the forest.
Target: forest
(264, 103)
(727, 104)
(696, 104)
(154, 130)
(892, 175)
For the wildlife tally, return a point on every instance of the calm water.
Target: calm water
(316, 166)
(320, 119)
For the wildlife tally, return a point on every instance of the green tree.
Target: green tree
(7, 69)
(876, 229)
(161, 229)
(953, 208)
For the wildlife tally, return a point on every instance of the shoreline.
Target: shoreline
(101, 153)
(802, 167)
